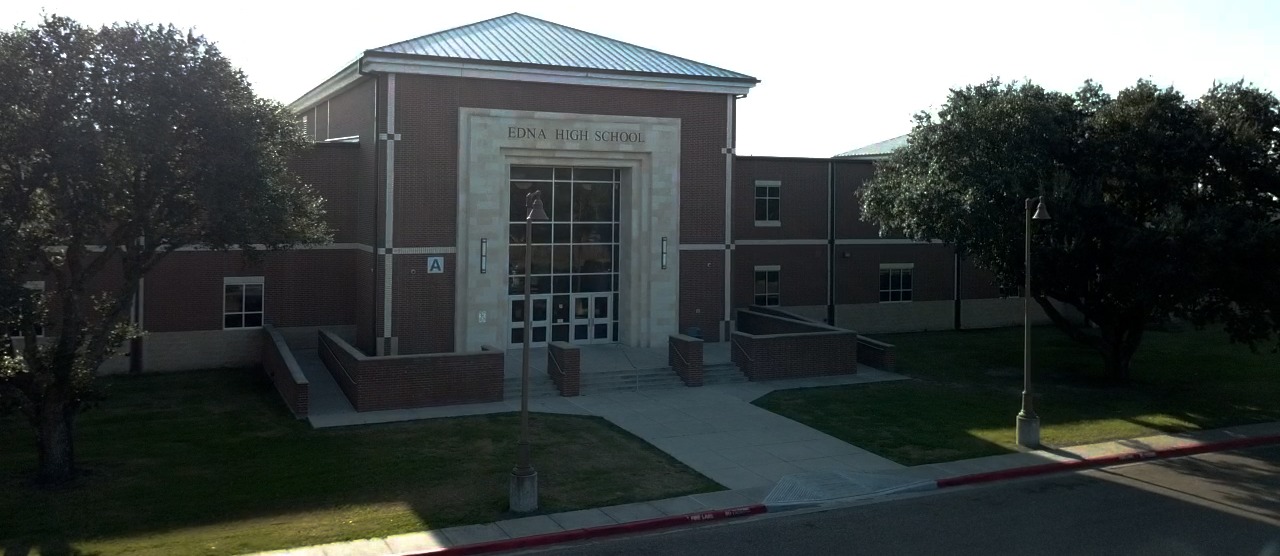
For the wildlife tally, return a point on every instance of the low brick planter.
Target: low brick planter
(564, 364)
(409, 381)
(772, 347)
(684, 355)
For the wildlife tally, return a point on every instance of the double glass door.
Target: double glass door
(577, 318)
(574, 255)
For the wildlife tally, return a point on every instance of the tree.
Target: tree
(1163, 207)
(118, 146)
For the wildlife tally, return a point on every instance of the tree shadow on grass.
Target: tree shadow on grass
(220, 460)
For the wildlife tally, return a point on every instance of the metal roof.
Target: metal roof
(520, 39)
(877, 150)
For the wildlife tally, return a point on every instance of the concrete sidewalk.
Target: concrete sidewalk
(546, 529)
(713, 429)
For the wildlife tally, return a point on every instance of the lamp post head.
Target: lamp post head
(533, 204)
(1042, 213)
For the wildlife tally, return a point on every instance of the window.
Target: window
(39, 287)
(768, 193)
(242, 302)
(895, 282)
(767, 285)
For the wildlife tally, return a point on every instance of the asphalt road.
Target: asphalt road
(1213, 504)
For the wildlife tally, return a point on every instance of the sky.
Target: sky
(834, 75)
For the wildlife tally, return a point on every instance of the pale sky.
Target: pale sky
(834, 75)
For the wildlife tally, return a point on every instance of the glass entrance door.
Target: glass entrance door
(593, 318)
(573, 256)
(538, 320)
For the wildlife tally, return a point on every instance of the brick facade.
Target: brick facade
(410, 381)
(279, 365)
(768, 347)
(684, 355)
(564, 364)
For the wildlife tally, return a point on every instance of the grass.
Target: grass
(211, 463)
(965, 393)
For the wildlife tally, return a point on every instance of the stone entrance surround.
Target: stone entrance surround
(648, 152)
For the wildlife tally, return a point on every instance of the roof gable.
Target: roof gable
(520, 39)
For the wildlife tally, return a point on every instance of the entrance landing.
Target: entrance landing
(613, 358)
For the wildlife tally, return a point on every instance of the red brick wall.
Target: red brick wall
(849, 177)
(766, 347)
(802, 280)
(684, 355)
(564, 364)
(422, 316)
(795, 356)
(333, 170)
(702, 292)
(802, 209)
(342, 363)
(306, 287)
(409, 381)
(282, 369)
(857, 276)
(365, 308)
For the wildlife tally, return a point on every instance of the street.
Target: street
(1213, 504)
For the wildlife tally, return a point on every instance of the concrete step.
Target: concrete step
(725, 373)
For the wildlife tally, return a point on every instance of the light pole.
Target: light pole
(1028, 430)
(523, 493)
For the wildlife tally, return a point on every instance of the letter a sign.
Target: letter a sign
(435, 265)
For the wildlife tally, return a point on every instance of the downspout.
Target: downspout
(730, 140)
(377, 248)
(831, 242)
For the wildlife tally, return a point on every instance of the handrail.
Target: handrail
(743, 350)
(555, 361)
(676, 349)
(324, 343)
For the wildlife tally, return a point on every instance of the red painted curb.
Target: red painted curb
(600, 531)
(1102, 461)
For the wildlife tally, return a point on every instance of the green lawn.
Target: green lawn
(211, 463)
(965, 393)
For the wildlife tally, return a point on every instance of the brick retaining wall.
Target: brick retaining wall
(769, 347)
(283, 370)
(564, 364)
(409, 381)
(684, 355)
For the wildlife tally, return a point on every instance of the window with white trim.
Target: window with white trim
(242, 302)
(895, 282)
(39, 287)
(768, 196)
(767, 285)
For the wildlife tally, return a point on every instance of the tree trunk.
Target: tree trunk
(57, 458)
(1118, 347)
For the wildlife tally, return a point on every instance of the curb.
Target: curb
(1103, 461)
(599, 531)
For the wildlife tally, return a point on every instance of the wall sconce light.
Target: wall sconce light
(664, 253)
(484, 255)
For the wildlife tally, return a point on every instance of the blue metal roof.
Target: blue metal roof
(520, 39)
(877, 150)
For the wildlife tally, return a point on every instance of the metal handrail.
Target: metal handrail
(743, 350)
(337, 361)
(680, 355)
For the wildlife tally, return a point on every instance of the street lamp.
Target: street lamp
(523, 493)
(1028, 431)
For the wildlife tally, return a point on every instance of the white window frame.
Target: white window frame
(756, 198)
(243, 281)
(33, 285)
(755, 283)
(910, 291)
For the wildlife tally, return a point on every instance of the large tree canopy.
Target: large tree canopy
(1163, 207)
(119, 145)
